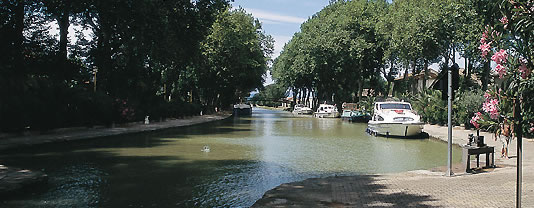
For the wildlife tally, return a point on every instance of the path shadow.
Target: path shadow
(346, 191)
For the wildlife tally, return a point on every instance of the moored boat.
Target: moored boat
(326, 111)
(352, 113)
(242, 109)
(301, 109)
(395, 119)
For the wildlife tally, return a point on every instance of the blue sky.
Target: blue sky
(281, 18)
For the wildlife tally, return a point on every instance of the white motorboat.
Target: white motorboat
(326, 111)
(395, 119)
(301, 109)
(242, 109)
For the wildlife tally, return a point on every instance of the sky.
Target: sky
(280, 18)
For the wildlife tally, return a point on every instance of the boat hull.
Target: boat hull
(303, 112)
(242, 111)
(326, 115)
(396, 129)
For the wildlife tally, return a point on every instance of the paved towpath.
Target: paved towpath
(13, 179)
(88, 133)
(495, 188)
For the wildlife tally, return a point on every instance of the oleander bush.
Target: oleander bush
(465, 105)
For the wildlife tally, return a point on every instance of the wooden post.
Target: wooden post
(519, 136)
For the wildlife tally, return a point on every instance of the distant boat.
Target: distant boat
(355, 116)
(242, 109)
(395, 119)
(301, 109)
(205, 149)
(352, 113)
(326, 111)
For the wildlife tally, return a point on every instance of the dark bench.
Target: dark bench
(467, 151)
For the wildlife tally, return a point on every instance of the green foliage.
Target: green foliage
(236, 54)
(148, 53)
(270, 96)
(336, 51)
(429, 105)
(466, 104)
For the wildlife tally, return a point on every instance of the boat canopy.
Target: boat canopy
(395, 106)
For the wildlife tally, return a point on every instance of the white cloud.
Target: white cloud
(269, 17)
(279, 42)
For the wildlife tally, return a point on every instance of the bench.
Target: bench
(467, 151)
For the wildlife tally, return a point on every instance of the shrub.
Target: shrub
(429, 105)
(466, 104)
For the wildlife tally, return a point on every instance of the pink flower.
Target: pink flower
(500, 56)
(482, 40)
(532, 130)
(524, 71)
(485, 48)
(501, 70)
(504, 20)
(487, 95)
(490, 105)
(494, 115)
(495, 34)
(475, 119)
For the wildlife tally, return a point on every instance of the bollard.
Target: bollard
(146, 120)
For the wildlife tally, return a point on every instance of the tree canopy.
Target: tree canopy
(129, 59)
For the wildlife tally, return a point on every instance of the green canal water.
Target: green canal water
(247, 157)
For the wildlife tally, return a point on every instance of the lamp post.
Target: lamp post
(449, 124)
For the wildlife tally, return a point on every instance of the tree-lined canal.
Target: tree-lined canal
(247, 157)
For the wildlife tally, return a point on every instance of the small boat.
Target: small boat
(352, 113)
(242, 109)
(301, 109)
(326, 111)
(394, 119)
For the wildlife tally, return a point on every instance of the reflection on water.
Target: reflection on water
(247, 157)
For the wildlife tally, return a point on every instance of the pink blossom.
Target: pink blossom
(487, 95)
(485, 35)
(532, 130)
(495, 34)
(500, 56)
(504, 20)
(494, 115)
(501, 70)
(482, 40)
(475, 119)
(485, 48)
(524, 71)
(490, 105)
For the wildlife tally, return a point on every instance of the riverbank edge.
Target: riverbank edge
(439, 133)
(92, 133)
(14, 180)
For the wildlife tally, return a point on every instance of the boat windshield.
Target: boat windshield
(395, 106)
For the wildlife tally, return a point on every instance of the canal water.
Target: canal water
(248, 156)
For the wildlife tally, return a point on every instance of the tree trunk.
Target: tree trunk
(415, 72)
(485, 75)
(466, 66)
(63, 22)
(425, 76)
(470, 66)
(19, 37)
